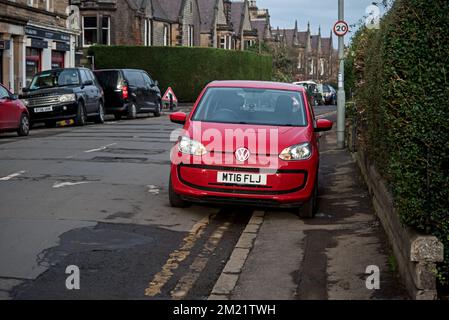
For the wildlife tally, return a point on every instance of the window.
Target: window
(135, 78)
(147, 38)
(190, 39)
(105, 30)
(33, 63)
(226, 42)
(89, 31)
(49, 5)
(51, 79)
(3, 93)
(166, 36)
(252, 106)
(57, 59)
(147, 79)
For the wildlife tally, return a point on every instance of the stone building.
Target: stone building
(34, 36)
(245, 35)
(314, 57)
(216, 28)
(260, 21)
(139, 22)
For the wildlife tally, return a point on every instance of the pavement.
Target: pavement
(96, 197)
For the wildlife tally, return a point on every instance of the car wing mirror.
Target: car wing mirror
(178, 117)
(323, 125)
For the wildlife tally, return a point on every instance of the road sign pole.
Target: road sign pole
(341, 101)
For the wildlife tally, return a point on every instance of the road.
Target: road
(96, 197)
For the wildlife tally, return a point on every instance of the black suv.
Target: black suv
(62, 94)
(129, 92)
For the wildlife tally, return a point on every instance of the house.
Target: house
(139, 22)
(216, 28)
(260, 21)
(313, 55)
(34, 36)
(245, 35)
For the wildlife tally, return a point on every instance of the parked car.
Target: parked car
(311, 87)
(230, 168)
(62, 94)
(330, 94)
(129, 92)
(14, 115)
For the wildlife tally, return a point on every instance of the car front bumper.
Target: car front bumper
(59, 112)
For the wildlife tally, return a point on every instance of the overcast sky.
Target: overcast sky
(319, 12)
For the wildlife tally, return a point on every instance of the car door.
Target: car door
(151, 91)
(88, 89)
(97, 92)
(9, 117)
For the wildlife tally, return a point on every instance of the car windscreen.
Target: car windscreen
(109, 79)
(55, 78)
(252, 106)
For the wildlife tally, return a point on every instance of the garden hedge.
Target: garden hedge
(187, 70)
(401, 79)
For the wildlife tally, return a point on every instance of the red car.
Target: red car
(14, 115)
(248, 143)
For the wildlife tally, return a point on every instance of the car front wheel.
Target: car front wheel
(309, 208)
(175, 199)
(24, 127)
(80, 119)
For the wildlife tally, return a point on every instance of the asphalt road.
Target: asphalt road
(96, 197)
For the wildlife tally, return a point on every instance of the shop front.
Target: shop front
(45, 50)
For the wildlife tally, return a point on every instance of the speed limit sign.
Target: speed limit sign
(341, 28)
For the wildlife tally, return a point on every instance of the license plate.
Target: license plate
(45, 109)
(242, 178)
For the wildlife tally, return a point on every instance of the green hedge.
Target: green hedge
(401, 80)
(187, 70)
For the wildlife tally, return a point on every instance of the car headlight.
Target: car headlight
(297, 152)
(25, 102)
(67, 98)
(189, 146)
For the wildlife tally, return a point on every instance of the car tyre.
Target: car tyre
(80, 119)
(158, 111)
(99, 119)
(309, 208)
(175, 199)
(24, 126)
(132, 111)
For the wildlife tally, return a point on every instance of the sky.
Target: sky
(319, 12)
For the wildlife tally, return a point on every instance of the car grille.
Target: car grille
(43, 101)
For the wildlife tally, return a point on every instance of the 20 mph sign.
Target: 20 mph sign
(341, 28)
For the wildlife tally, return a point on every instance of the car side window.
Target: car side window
(147, 79)
(4, 93)
(84, 77)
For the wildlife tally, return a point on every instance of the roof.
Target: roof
(236, 15)
(326, 44)
(255, 84)
(207, 10)
(158, 11)
(314, 42)
(171, 8)
(302, 37)
(260, 26)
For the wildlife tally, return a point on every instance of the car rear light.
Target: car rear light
(125, 93)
